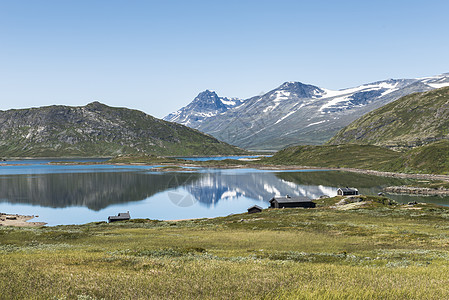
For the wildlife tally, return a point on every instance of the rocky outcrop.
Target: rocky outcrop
(416, 190)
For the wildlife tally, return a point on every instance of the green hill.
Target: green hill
(99, 130)
(349, 156)
(411, 121)
(428, 159)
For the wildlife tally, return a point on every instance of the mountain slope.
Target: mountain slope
(297, 113)
(429, 159)
(411, 121)
(98, 130)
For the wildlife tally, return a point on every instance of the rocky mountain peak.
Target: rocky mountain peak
(208, 100)
(96, 105)
(300, 89)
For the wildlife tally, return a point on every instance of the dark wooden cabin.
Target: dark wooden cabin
(287, 201)
(255, 209)
(347, 191)
(119, 217)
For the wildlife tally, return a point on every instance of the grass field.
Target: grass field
(372, 250)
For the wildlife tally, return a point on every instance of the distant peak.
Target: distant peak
(96, 104)
(208, 93)
(290, 84)
(300, 89)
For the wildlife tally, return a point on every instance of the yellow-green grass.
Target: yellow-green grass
(377, 250)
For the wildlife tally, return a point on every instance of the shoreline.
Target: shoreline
(251, 165)
(17, 220)
(295, 167)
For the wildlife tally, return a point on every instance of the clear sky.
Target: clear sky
(156, 56)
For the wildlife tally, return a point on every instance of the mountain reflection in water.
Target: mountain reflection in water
(93, 190)
(80, 194)
(211, 188)
(99, 190)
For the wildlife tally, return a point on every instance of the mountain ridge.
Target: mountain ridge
(98, 130)
(297, 113)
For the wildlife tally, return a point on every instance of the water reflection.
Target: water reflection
(95, 190)
(366, 184)
(80, 194)
(211, 188)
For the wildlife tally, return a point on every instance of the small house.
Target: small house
(287, 201)
(347, 191)
(255, 209)
(119, 217)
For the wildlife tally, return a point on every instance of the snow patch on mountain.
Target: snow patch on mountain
(316, 123)
(289, 114)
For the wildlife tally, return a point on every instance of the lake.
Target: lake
(76, 194)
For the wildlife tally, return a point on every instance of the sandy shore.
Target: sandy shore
(18, 220)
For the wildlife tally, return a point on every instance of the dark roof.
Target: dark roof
(256, 206)
(120, 216)
(288, 199)
(349, 189)
(124, 215)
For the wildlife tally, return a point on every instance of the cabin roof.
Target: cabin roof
(120, 216)
(346, 189)
(288, 199)
(256, 206)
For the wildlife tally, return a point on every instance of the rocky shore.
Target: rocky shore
(416, 190)
(18, 220)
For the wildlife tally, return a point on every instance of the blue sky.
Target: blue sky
(156, 56)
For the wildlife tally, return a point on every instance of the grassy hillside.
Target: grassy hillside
(99, 130)
(349, 156)
(429, 159)
(372, 250)
(411, 121)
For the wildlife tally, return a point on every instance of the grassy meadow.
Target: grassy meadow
(363, 250)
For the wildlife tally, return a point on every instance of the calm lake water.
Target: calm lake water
(76, 194)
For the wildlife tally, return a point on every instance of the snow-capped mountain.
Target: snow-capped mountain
(207, 104)
(296, 113)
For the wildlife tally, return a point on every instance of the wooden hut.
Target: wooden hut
(287, 201)
(347, 191)
(119, 217)
(255, 209)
